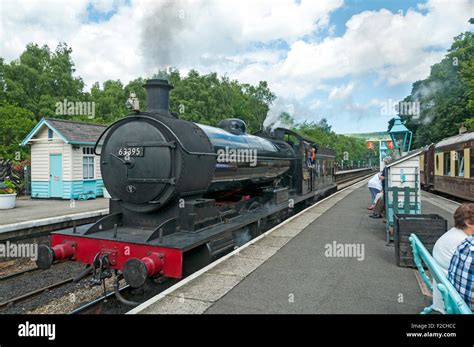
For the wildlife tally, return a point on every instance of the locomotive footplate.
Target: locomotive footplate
(183, 240)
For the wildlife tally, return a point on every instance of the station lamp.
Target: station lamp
(401, 136)
(382, 152)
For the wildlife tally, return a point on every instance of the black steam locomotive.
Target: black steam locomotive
(184, 194)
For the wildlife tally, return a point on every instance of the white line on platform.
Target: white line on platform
(51, 220)
(188, 279)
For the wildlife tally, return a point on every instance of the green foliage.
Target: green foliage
(207, 99)
(285, 119)
(7, 187)
(469, 124)
(321, 133)
(33, 85)
(39, 79)
(15, 124)
(446, 97)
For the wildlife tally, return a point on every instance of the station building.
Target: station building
(63, 163)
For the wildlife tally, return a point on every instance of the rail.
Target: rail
(346, 175)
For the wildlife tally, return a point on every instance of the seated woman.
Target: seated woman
(446, 245)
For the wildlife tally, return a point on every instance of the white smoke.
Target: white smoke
(273, 119)
(425, 96)
(162, 28)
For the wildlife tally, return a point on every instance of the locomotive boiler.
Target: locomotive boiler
(182, 193)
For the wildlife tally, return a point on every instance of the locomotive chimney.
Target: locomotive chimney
(158, 96)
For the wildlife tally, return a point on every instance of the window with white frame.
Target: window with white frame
(88, 167)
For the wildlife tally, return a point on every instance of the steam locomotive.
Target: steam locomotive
(183, 194)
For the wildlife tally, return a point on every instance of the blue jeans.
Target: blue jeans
(373, 193)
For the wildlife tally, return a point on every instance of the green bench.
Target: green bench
(453, 302)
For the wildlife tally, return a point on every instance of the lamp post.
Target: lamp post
(401, 136)
(382, 153)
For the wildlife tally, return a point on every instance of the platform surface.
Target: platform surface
(29, 210)
(289, 270)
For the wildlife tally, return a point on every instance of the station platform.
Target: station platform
(289, 268)
(33, 213)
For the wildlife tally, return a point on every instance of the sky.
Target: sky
(344, 60)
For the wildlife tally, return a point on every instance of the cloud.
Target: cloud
(281, 42)
(342, 92)
(101, 50)
(395, 47)
(189, 32)
(145, 35)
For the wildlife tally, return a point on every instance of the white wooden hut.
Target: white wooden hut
(63, 164)
(403, 189)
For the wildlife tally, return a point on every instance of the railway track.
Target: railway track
(348, 176)
(18, 274)
(21, 273)
(95, 306)
(35, 292)
(23, 291)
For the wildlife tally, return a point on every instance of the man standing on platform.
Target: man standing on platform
(375, 187)
(380, 204)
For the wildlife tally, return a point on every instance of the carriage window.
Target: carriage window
(447, 164)
(459, 163)
(437, 162)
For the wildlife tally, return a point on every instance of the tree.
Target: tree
(109, 101)
(321, 133)
(16, 124)
(446, 96)
(261, 98)
(39, 79)
(286, 119)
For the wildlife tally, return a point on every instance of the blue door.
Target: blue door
(56, 175)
